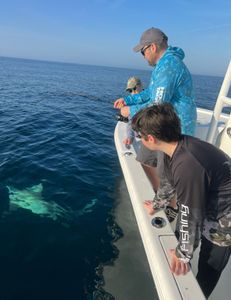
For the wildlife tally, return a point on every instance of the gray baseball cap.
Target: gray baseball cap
(151, 35)
(133, 82)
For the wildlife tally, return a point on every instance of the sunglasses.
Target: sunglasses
(144, 49)
(131, 90)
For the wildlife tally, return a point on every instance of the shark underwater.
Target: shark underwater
(31, 199)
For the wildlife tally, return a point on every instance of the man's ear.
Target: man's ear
(153, 47)
(152, 139)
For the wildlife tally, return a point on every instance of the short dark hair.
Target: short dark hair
(163, 44)
(159, 120)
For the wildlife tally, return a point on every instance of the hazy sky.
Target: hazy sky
(103, 32)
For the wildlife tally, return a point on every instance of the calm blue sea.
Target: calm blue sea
(58, 175)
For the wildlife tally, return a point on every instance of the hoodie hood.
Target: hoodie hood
(176, 51)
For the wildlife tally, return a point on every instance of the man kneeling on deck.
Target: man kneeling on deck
(201, 175)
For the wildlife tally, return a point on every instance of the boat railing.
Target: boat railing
(222, 101)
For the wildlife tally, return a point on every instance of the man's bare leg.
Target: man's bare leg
(152, 176)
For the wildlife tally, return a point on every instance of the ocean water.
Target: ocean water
(59, 176)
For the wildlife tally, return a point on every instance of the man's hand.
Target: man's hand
(119, 103)
(177, 266)
(128, 141)
(125, 111)
(148, 204)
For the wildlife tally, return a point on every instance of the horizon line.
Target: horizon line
(102, 66)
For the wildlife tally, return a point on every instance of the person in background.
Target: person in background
(201, 175)
(170, 82)
(134, 86)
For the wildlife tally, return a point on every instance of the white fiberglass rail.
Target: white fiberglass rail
(222, 101)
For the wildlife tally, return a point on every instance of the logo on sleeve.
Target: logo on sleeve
(184, 232)
(159, 94)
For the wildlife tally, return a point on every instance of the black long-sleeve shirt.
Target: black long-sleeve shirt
(201, 174)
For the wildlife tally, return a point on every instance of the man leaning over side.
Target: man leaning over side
(201, 175)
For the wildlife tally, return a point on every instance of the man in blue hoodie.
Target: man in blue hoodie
(170, 82)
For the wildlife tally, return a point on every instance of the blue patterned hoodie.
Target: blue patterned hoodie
(170, 82)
